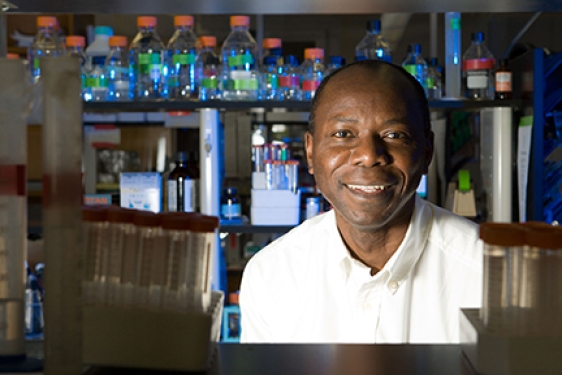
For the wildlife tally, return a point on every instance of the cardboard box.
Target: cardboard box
(142, 191)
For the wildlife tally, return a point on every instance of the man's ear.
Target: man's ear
(428, 152)
(308, 141)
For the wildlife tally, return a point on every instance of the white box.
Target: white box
(156, 340)
(155, 116)
(142, 191)
(275, 215)
(275, 198)
(99, 117)
(131, 117)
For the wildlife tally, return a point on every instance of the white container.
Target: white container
(98, 50)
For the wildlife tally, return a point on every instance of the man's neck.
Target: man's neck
(373, 247)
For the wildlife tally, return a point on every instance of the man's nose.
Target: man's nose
(370, 151)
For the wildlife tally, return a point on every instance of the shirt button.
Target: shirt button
(393, 286)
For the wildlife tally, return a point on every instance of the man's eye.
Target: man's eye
(396, 135)
(342, 134)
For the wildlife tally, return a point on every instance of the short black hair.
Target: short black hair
(374, 65)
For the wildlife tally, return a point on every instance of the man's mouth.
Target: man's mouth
(368, 188)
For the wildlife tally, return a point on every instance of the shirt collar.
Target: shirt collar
(402, 261)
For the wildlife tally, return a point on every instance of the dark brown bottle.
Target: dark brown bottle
(503, 80)
(180, 186)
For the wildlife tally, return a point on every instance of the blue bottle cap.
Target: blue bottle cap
(291, 60)
(416, 48)
(337, 60)
(478, 37)
(433, 61)
(374, 25)
(270, 60)
(103, 30)
(276, 52)
(230, 190)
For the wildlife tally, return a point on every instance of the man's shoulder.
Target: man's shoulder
(301, 242)
(455, 236)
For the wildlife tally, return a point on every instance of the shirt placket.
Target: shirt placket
(368, 304)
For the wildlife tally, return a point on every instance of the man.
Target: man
(384, 266)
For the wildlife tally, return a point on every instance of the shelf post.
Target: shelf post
(209, 164)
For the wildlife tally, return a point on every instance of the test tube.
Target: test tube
(94, 224)
(175, 229)
(292, 174)
(149, 234)
(503, 244)
(120, 231)
(541, 280)
(283, 152)
(279, 181)
(258, 156)
(203, 236)
(129, 260)
(269, 179)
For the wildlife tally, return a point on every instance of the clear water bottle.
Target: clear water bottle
(181, 55)
(289, 79)
(312, 72)
(273, 47)
(239, 61)
(75, 47)
(416, 65)
(374, 46)
(98, 86)
(270, 79)
(117, 69)
(434, 80)
(208, 67)
(335, 63)
(45, 43)
(145, 59)
(98, 50)
(478, 65)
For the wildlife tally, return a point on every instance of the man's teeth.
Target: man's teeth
(367, 188)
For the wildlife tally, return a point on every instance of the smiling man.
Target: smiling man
(384, 266)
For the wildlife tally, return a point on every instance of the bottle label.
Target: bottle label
(272, 81)
(455, 23)
(96, 82)
(188, 195)
(310, 85)
(477, 79)
(240, 60)
(503, 81)
(412, 69)
(35, 63)
(478, 64)
(209, 82)
(430, 82)
(172, 196)
(231, 211)
(243, 84)
(184, 59)
(287, 81)
(150, 64)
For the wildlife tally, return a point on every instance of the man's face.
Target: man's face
(368, 150)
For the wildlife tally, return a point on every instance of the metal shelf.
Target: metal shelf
(171, 106)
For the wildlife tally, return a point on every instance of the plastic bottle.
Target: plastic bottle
(478, 65)
(231, 209)
(289, 79)
(117, 69)
(503, 81)
(434, 80)
(374, 46)
(239, 62)
(231, 320)
(98, 50)
(273, 47)
(415, 64)
(335, 63)
(145, 61)
(181, 55)
(208, 66)
(45, 43)
(97, 83)
(270, 79)
(312, 72)
(75, 47)
(181, 190)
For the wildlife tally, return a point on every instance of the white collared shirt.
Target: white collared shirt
(306, 288)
